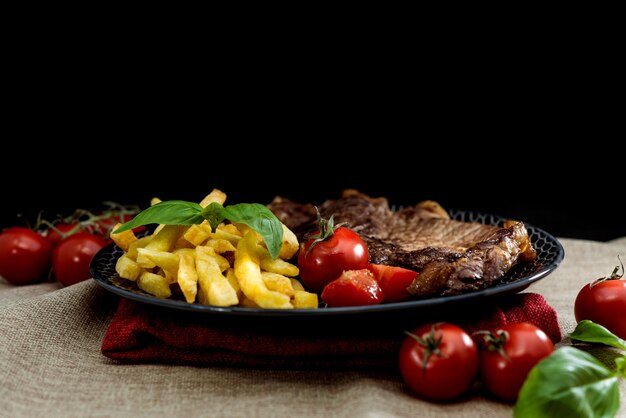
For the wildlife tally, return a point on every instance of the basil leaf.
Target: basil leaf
(171, 212)
(568, 383)
(214, 214)
(590, 332)
(261, 219)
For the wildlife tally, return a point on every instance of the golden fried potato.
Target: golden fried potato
(164, 240)
(295, 283)
(277, 282)
(276, 265)
(123, 239)
(221, 245)
(187, 274)
(290, 244)
(140, 243)
(214, 288)
(154, 284)
(248, 272)
(305, 300)
(216, 196)
(232, 279)
(169, 262)
(197, 234)
(127, 268)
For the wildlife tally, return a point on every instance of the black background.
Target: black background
(524, 144)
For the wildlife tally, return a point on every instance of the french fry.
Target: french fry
(169, 262)
(220, 245)
(154, 201)
(140, 243)
(154, 284)
(197, 234)
(248, 272)
(248, 303)
(305, 300)
(216, 196)
(232, 279)
(295, 283)
(230, 228)
(277, 282)
(123, 239)
(164, 240)
(290, 245)
(224, 234)
(214, 288)
(127, 268)
(187, 274)
(276, 265)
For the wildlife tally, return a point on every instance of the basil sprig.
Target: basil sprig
(180, 212)
(573, 383)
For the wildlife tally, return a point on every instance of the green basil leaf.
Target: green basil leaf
(590, 332)
(568, 383)
(170, 212)
(214, 214)
(261, 219)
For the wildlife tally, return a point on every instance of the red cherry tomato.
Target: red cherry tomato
(72, 257)
(24, 256)
(439, 361)
(353, 288)
(604, 302)
(53, 234)
(322, 260)
(104, 226)
(515, 350)
(393, 281)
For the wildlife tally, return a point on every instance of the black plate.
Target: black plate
(549, 254)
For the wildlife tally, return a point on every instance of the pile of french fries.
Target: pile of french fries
(228, 267)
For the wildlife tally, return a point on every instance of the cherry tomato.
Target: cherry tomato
(393, 281)
(326, 255)
(24, 256)
(53, 234)
(604, 302)
(72, 257)
(509, 356)
(439, 361)
(353, 288)
(104, 226)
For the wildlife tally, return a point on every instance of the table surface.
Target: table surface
(51, 364)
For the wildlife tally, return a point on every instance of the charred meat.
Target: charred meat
(452, 257)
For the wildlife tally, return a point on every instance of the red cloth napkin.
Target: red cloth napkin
(141, 333)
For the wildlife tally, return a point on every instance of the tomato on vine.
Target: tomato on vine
(509, 355)
(24, 256)
(438, 361)
(603, 301)
(327, 254)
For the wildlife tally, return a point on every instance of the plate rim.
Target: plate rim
(438, 301)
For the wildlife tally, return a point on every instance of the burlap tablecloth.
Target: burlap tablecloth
(51, 365)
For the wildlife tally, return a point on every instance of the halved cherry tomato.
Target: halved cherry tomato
(353, 288)
(509, 356)
(439, 361)
(72, 257)
(393, 281)
(24, 256)
(325, 256)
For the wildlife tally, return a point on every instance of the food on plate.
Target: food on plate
(393, 281)
(214, 255)
(353, 288)
(24, 256)
(603, 301)
(329, 252)
(508, 356)
(452, 257)
(438, 361)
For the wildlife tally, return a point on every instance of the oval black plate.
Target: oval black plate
(549, 254)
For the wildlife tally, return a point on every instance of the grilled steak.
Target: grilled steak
(452, 257)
